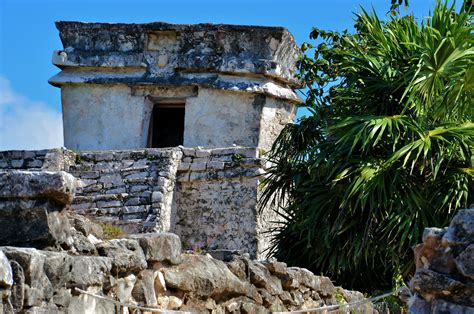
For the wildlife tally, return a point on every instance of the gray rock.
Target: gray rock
(300, 276)
(18, 288)
(160, 247)
(124, 287)
(224, 255)
(429, 284)
(85, 226)
(44, 309)
(203, 47)
(260, 277)
(76, 271)
(418, 305)
(126, 255)
(57, 159)
(38, 288)
(441, 306)
(432, 236)
(81, 244)
(238, 267)
(252, 308)
(461, 229)
(144, 289)
(33, 223)
(62, 297)
(6, 275)
(86, 304)
(207, 277)
(58, 186)
(276, 268)
(465, 262)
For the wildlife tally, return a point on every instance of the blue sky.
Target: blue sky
(30, 109)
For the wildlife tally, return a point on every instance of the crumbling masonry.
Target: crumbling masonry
(166, 126)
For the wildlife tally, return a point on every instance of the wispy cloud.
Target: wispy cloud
(25, 123)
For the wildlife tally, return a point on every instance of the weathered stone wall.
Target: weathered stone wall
(55, 159)
(94, 116)
(163, 49)
(444, 278)
(104, 117)
(22, 159)
(133, 188)
(216, 200)
(207, 196)
(31, 207)
(275, 115)
(140, 269)
(217, 118)
(236, 82)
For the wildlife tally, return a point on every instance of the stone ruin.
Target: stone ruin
(168, 125)
(444, 278)
(165, 128)
(133, 86)
(55, 261)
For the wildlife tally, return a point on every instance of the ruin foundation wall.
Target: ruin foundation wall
(207, 196)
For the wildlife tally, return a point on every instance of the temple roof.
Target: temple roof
(158, 52)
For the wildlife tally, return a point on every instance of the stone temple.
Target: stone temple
(128, 86)
(166, 126)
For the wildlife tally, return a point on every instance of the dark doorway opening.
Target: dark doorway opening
(167, 125)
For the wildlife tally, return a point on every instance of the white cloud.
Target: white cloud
(25, 123)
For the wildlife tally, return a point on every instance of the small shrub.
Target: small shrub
(111, 231)
(237, 157)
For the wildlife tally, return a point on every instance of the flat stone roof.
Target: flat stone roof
(155, 52)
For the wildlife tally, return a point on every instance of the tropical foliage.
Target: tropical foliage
(386, 151)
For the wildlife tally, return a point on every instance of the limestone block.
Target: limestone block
(133, 201)
(81, 244)
(126, 255)
(34, 223)
(465, 262)
(35, 163)
(17, 163)
(85, 226)
(275, 267)
(157, 197)
(159, 247)
(76, 271)
(174, 303)
(18, 289)
(135, 209)
(207, 277)
(461, 229)
(261, 278)
(38, 287)
(144, 289)
(106, 204)
(83, 304)
(6, 275)
(123, 288)
(442, 306)
(430, 284)
(57, 186)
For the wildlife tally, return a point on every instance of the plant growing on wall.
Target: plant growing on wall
(386, 151)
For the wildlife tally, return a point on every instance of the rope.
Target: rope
(343, 306)
(312, 310)
(132, 306)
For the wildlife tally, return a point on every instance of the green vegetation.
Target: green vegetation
(386, 151)
(237, 157)
(111, 232)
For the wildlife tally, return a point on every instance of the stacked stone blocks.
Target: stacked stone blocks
(207, 196)
(134, 186)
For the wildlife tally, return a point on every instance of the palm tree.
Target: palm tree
(386, 151)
